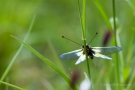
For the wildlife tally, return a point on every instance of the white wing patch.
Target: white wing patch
(102, 56)
(81, 59)
(71, 55)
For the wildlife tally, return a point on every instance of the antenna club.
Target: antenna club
(96, 32)
(63, 37)
(93, 38)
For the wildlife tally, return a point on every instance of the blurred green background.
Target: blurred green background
(55, 18)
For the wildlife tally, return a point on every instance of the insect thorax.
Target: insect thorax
(89, 50)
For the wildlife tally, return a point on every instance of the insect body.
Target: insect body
(91, 52)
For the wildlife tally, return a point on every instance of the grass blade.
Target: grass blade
(17, 53)
(84, 34)
(103, 14)
(11, 85)
(83, 23)
(48, 62)
(82, 19)
(117, 66)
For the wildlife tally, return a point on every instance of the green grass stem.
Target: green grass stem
(82, 16)
(83, 23)
(117, 71)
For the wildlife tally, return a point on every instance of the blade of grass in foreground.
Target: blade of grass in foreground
(17, 53)
(11, 85)
(57, 61)
(48, 62)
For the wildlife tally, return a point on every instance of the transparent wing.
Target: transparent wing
(81, 59)
(102, 56)
(106, 50)
(71, 55)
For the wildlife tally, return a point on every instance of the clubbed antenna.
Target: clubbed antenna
(92, 38)
(71, 40)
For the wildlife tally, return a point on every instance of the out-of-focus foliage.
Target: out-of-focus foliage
(55, 18)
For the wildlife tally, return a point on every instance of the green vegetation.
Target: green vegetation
(39, 24)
